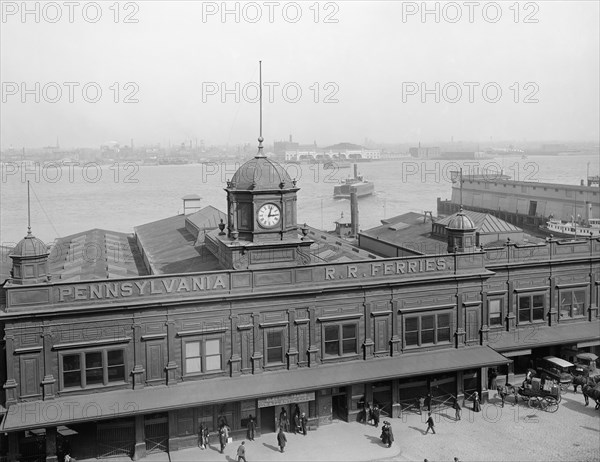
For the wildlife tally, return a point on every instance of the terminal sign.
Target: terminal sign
(387, 268)
(142, 288)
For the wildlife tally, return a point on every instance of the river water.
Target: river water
(70, 199)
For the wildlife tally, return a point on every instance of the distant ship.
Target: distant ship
(358, 184)
(173, 161)
(335, 164)
(573, 229)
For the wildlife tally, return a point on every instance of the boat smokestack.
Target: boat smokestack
(353, 212)
(588, 212)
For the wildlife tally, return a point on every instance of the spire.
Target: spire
(260, 137)
(28, 212)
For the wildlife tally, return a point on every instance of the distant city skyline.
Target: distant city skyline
(332, 72)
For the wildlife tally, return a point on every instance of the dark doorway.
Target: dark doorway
(382, 397)
(339, 407)
(532, 208)
(157, 432)
(267, 420)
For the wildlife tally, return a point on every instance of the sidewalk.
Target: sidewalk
(513, 433)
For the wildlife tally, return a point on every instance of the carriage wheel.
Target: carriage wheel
(551, 404)
(533, 402)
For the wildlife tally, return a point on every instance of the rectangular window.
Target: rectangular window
(531, 308)
(443, 327)
(572, 303)
(93, 368)
(427, 329)
(274, 346)
(202, 356)
(71, 371)
(412, 331)
(495, 309)
(193, 360)
(341, 339)
(213, 355)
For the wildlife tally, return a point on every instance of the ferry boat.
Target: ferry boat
(573, 229)
(358, 183)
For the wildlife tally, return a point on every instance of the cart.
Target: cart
(544, 396)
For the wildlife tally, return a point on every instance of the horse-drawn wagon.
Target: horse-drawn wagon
(542, 395)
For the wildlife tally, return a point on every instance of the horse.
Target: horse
(580, 381)
(591, 392)
(504, 391)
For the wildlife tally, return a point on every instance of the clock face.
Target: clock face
(269, 215)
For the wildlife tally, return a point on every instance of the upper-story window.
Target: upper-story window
(341, 339)
(531, 308)
(203, 355)
(274, 346)
(90, 368)
(495, 310)
(427, 329)
(572, 303)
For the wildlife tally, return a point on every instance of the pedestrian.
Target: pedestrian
(284, 423)
(251, 427)
(429, 400)
(201, 436)
(421, 405)
(430, 424)
(456, 407)
(376, 414)
(303, 422)
(281, 439)
(241, 452)
(296, 423)
(369, 412)
(387, 437)
(476, 406)
(222, 437)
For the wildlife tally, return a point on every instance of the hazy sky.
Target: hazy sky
(360, 66)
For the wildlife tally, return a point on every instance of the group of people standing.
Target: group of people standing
(371, 413)
(299, 421)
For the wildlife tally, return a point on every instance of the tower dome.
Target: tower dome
(461, 221)
(30, 261)
(29, 246)
(461, 233)
(261, 173)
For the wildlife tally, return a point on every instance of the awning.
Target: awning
(513, 353)
(591, 343)
(123, 403)
(540, 335)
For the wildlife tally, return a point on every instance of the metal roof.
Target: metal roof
(484, 223)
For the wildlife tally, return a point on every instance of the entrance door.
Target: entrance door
(339, 407)
(382, 396)
(157, 433)
(268, 423)
(116, 438)
(472, 324)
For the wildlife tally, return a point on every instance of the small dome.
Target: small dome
(261, 173)
(461, 221)
(29, 246)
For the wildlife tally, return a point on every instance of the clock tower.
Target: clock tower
(261, 229)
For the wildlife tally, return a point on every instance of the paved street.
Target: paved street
(512, 433)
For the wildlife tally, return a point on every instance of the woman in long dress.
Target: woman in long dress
(476, 406)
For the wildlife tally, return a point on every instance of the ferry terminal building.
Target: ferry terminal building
(209, 318)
